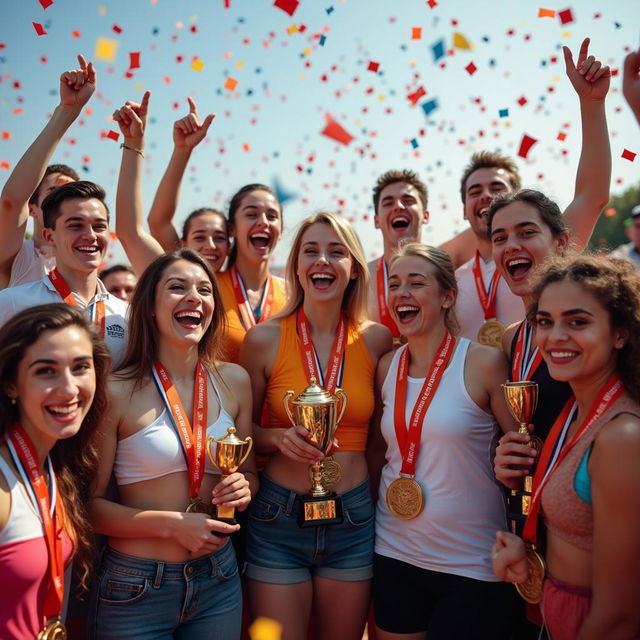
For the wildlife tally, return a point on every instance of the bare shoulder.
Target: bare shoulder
(619, 435)
(486, 360)
(377, 338)
(233, 375)
(263, 334)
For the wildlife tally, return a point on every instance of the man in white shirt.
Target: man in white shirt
(76, 225)
(631, 250)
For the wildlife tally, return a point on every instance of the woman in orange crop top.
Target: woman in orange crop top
(169, 564)
(326, 564)
(250, 294)
(587, 315)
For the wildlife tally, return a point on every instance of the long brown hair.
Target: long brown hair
(74, 459)
(142, 349)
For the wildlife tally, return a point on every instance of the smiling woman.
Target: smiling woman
(53, 369)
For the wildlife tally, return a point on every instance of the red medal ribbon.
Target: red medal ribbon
(310, 361)
(64, 292)
(381, 293)
(192, 439)
(247, 316)
(487, 300)
(29, 460)
(609, 393)
(524, 363)
(409, 440)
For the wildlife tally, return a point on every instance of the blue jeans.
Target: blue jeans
(281, 552)
(148, 599)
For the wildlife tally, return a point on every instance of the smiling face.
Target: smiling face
(54, 386)
(483, 186)
(325, 265)
(208, 236)
(417, 301)
(183, 303)
(81, 234)
(401, 213)
(257, 225)
(574, 334)
(522, 241)
(120, 284)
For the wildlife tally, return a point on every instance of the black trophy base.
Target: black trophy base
(320, 511)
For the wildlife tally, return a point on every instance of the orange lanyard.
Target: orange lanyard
(381, 293)
(487, 300)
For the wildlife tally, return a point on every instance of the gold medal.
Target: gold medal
(54, 630)
(331, 473)
(404, 498)
(531, 588)
(491, 333)
(198, 505)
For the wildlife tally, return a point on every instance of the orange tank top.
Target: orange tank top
(357, 382)
(236, 331)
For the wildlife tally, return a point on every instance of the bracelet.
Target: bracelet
(126, 146)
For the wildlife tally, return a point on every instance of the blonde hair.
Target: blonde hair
(356, 296)
(444, 274)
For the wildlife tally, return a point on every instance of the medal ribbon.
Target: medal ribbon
(381, 291)
(247, 315)
(96, 310)
(525, 362)
(45, 500)
(193, 439)
(609, 393)
(487, 300)
(409, 440)
(310, 360)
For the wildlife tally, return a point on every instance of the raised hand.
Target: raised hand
(188, 132)
(631, 82)
(132, 118)
(78, 85)
(589, 77)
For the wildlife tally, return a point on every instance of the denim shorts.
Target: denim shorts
(281, 552)
(148, 599)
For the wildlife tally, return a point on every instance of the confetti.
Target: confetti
(430, 106)
(106, 49)
(116, 29)
(432, 3)
(525, 145)
(438, 50)
(5, 165)
(336, 132)
(230, 83)
(546, 13)
(628, 155)
(39, 29)
(134, 60)
(416, 33)
(503, 113)
(265, 629)
(522, 101)
(329, 10)
(566, 16)
(471, 68)
(76, 34)
(322, 40)
(460, 42)
(111, 135)
(46, 3)
(562, 136)
(197, 64)
(6, 135)
(288, 6)
(414, 143)
(416, 95)
(373, 66)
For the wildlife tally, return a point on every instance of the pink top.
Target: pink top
(24, 563)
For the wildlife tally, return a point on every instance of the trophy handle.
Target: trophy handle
(285, 401)
(249, 442)
(343, 405)
(210, 439)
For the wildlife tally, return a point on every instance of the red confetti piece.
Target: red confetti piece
(336, 132)
(373, 66)
(227, 4)
(46, 3)
(471, 68)
(628, 155)
(246, 147)
(230, 83)
(566, 16)
(116, 28)
(562, 136)
(288, 6)
(39, 29)
(416, 33)
(546, 13)
(522, 101)
(416, 95)
(76, 34)
(432, 4)
(6, 135)
(525, 145)
(111, 135)
(134, 60)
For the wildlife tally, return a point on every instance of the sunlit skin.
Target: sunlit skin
(120, 284)
(482, 188)
(208, 236)
(54, 386)
(51, 182)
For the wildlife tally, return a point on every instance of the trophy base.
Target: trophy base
(320, 511)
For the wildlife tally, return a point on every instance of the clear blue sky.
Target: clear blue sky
(287, 82)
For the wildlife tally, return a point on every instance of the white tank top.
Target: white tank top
(464, 505)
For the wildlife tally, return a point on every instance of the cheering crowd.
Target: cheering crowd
(115, 515)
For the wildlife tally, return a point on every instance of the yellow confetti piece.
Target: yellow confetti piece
(139, 86)
(382, 97)
(301, 76)
(265, 629)
(230, 83)
(106, 49)
(292, 29)
(460, 42)
(555, 79)
(566, 34)
(307, 51)
(239, 64)
(197, 64)
(102, 10)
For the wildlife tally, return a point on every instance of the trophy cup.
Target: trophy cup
(522, 399)
(230, 453)
(317, 411)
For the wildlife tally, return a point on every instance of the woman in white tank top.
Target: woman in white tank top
(440, 410)
(169, 567)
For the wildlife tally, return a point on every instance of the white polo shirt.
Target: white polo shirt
(509, 307)
(116, 332)
(30, 264)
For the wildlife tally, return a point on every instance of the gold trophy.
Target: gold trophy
(230, 453)
(317, 411)
(522, 399)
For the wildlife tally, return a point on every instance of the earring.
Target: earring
(13, 400)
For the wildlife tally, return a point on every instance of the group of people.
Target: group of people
(108, 409)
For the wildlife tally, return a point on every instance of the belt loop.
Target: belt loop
(290, 502)
(158, 578)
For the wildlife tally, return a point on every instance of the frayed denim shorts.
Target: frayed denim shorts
(279, 551)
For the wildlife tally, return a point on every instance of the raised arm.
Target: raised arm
(141, 248)
(76, 87)
(631, 82)
(188, 132)
(591, 81)
(460, 248)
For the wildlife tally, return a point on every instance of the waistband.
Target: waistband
(159, 570)
(573, 589)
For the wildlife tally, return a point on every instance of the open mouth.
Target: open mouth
(64, 412)
(407, 312)
(260, 240)
(518, 268)
(88, 249)
(562, 356)
(322, 280)
(400, 223)
(188, 319)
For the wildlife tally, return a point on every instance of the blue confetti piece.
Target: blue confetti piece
(329, 10)
(438, 50)
(492, 62)
(323, 39)
(543, 63)
(617, 25)
(503, 113)
(414, 143)
(155, 31)
(486, 39)
(430, 106)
